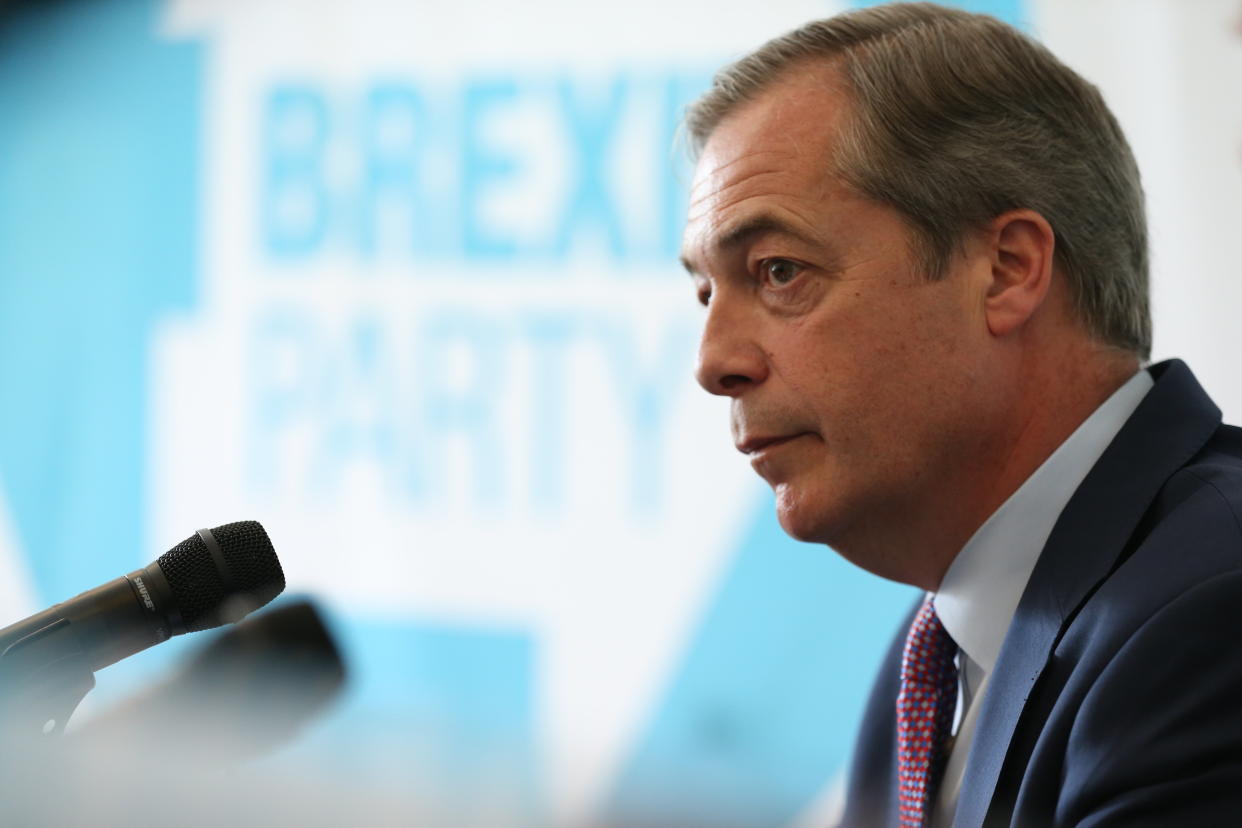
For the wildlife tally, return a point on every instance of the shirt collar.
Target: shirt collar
(982, 587)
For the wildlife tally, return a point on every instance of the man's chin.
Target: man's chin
(798, 518)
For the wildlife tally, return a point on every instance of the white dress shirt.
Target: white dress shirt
(982, 587)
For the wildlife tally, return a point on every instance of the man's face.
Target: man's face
(855, 381)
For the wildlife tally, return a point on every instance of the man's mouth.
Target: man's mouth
(759, 444)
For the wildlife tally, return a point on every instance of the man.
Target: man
(920, 240)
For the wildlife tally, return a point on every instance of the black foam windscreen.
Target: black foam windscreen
(208, 597)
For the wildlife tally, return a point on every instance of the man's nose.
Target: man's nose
(730, 358)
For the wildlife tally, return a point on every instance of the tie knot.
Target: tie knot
(930, 650)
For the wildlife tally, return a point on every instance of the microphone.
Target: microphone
(213, 577)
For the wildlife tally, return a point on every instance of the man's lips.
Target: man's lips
(756, 445)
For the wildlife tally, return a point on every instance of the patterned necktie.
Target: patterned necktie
(924, 713)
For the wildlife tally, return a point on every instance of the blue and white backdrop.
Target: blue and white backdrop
(399, 280)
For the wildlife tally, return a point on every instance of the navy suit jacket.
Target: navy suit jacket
(1117, 695)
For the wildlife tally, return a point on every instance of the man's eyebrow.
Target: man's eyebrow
(747, 230)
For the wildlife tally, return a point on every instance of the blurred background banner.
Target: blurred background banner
(399, 280)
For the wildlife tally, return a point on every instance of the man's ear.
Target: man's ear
(1022, 245)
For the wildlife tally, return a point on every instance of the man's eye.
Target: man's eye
(780, 272)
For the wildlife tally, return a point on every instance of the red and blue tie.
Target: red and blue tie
(924, 713)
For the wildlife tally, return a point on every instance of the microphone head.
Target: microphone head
(219, 586)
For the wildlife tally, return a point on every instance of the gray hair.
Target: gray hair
(960, 118)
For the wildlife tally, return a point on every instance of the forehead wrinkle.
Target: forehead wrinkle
(748, 156)
(773, 160)
(725, 197)
(788, 168)
(788, 216)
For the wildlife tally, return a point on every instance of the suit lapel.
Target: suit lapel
(1170, 426)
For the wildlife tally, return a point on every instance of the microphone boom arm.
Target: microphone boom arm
(48, 661)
